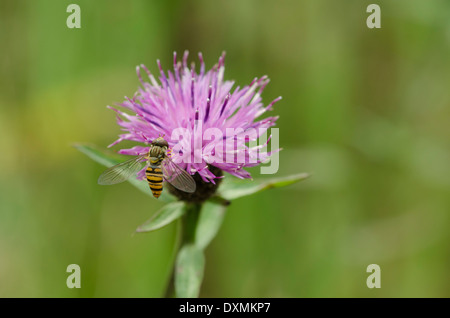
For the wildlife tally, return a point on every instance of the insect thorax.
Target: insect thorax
(157, 154)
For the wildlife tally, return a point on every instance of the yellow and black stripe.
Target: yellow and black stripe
(155, 179)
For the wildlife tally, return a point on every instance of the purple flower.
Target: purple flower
(194, 105)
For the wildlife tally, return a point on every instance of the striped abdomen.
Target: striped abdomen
(155, 179)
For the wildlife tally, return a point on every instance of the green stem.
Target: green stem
(170, 291)
(189, 223)
(185, 235)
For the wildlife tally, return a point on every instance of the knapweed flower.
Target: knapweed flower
(209, 124)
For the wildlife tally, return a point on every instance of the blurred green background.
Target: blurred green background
(366, 110)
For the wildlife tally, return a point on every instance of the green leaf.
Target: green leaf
(236, 189)
(189, 268)
(209, 222)
(109, 159)
(166, 215)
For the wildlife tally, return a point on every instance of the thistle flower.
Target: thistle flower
(197, 103)
(201, 108)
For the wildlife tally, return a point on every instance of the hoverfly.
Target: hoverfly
(160, 167)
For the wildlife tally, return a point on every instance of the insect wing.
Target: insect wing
(177, 177)
(122, 171)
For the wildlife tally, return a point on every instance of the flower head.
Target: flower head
(206, 121)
